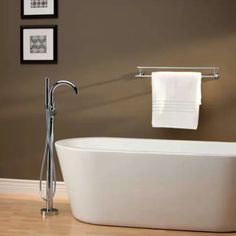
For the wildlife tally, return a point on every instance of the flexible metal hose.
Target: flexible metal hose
(47, 197)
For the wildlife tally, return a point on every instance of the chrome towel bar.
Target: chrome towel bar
(214, 71)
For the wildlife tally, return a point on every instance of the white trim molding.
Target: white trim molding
(25, 187)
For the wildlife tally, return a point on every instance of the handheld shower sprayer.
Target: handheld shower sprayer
(48, 158)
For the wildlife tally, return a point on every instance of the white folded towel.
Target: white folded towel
(176, 97)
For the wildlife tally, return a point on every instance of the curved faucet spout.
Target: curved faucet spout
(57, 84)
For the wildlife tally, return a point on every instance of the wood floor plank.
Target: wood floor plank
(20, 216)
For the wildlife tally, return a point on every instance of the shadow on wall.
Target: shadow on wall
(124, 78)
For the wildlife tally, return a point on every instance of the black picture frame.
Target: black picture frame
(39, 16)
(54, 33)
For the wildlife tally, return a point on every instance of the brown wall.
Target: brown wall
(100, 45)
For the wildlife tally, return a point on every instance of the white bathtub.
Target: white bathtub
(184, 185)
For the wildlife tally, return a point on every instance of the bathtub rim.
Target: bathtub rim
(59, 143)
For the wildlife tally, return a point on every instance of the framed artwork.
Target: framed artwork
(31, 9)
(38, 44)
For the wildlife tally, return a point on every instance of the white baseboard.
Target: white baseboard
(27, 187)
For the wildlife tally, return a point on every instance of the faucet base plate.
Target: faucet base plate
(49, 212)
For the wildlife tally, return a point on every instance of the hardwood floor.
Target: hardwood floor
(20, 215)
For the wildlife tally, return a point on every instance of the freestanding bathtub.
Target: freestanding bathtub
(183, 185)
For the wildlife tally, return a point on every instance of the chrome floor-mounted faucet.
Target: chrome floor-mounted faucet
(48, 159)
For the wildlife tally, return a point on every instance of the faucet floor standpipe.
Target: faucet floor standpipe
(48, 158)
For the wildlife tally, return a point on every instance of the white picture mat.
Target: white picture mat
(49, 10)
(27, 55)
